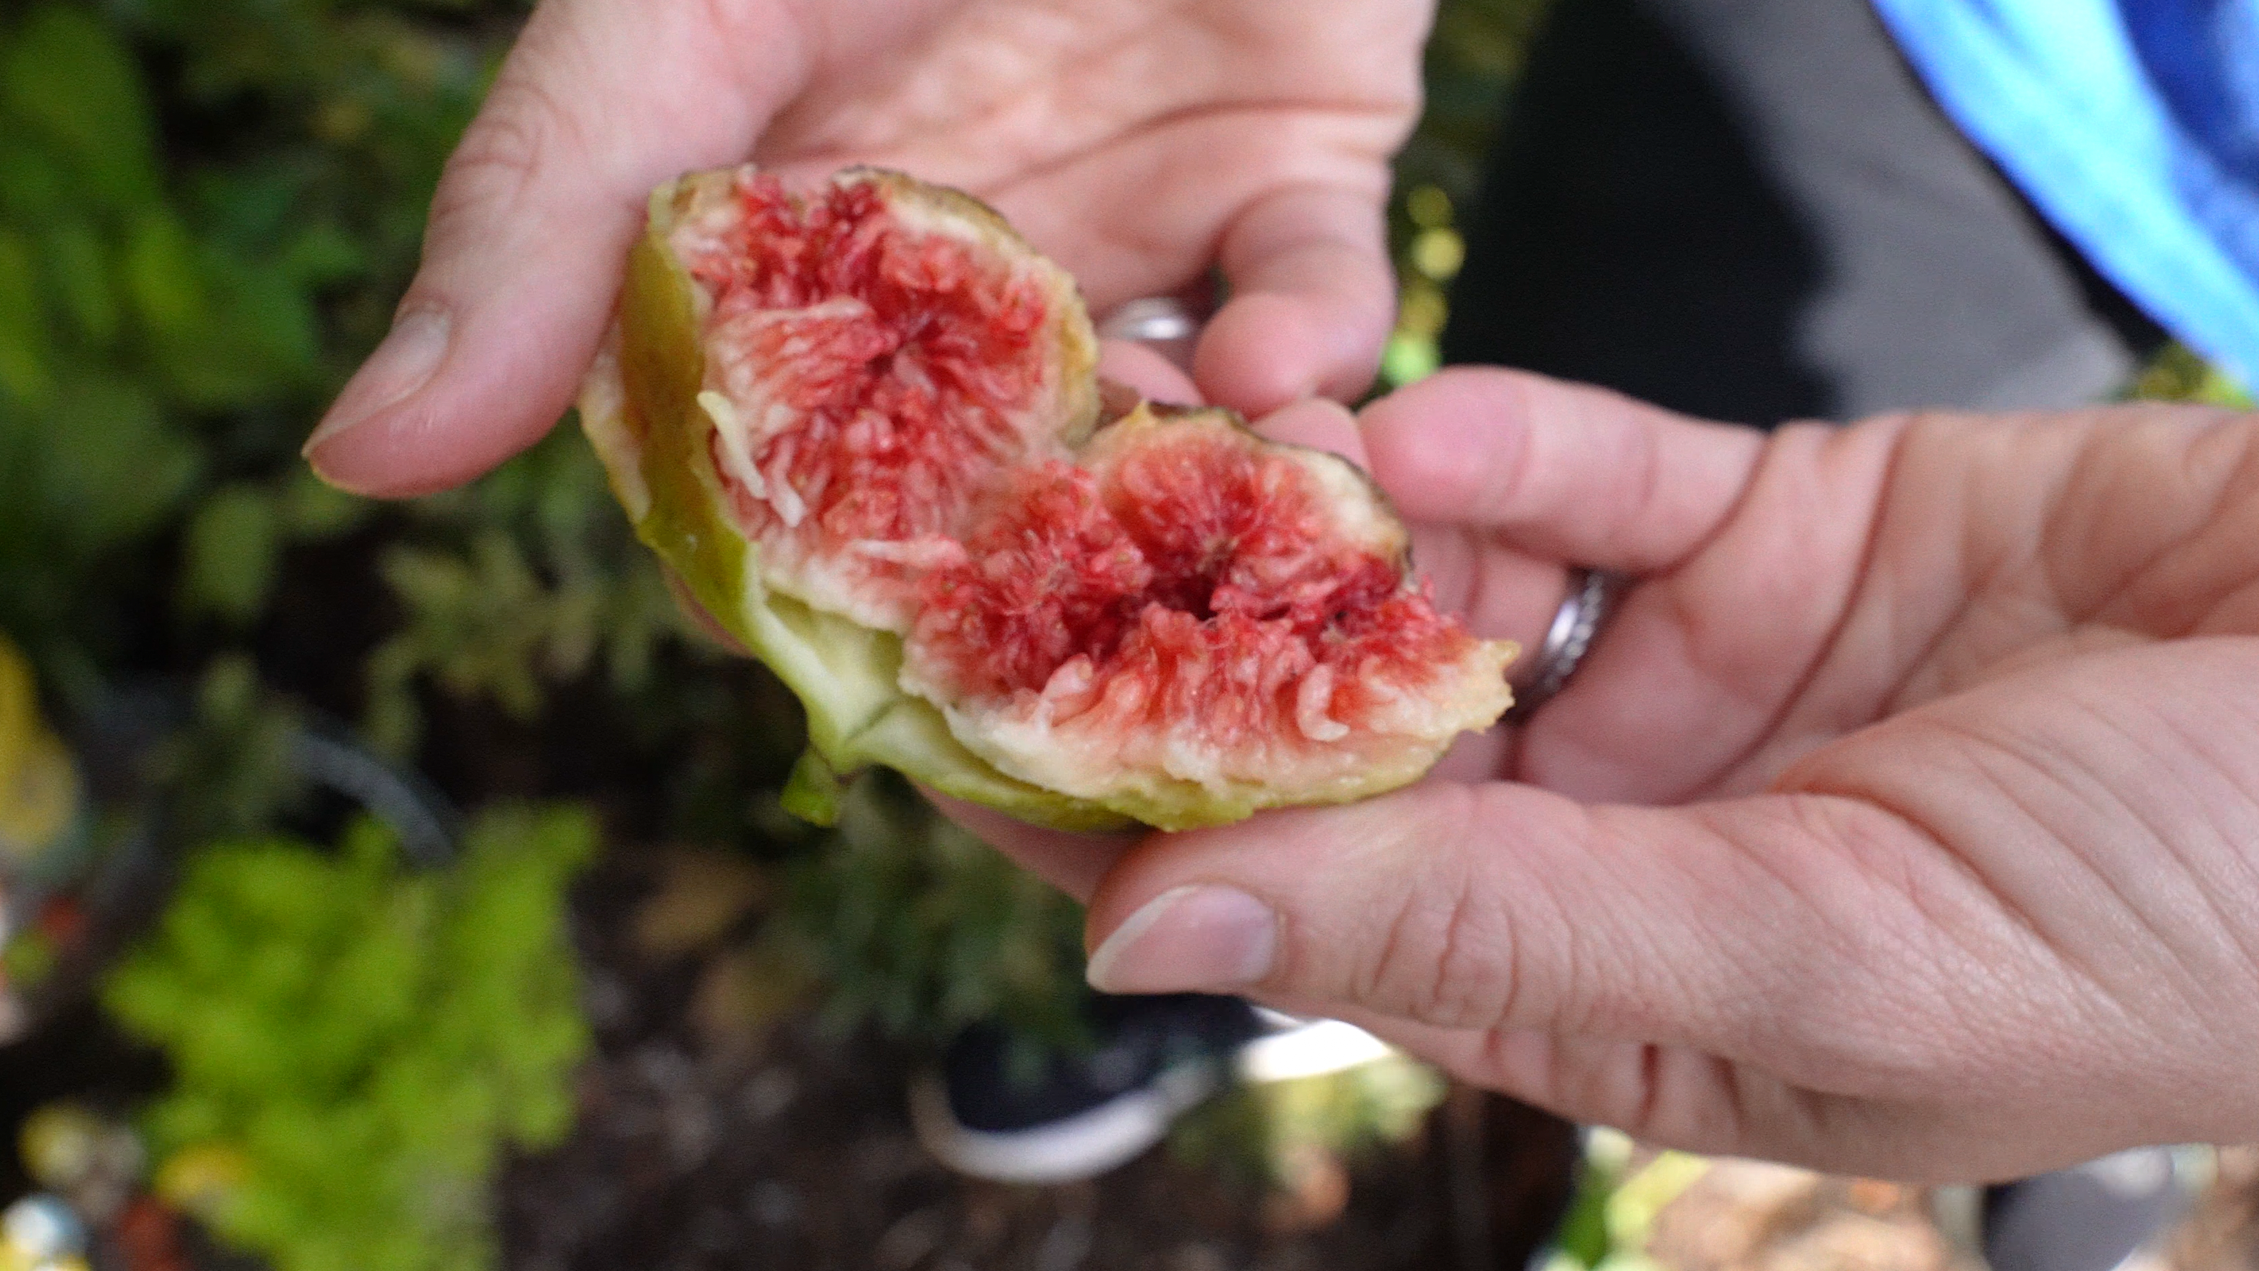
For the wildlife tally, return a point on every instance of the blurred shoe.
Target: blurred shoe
(996, 1109)
(2108, 1213)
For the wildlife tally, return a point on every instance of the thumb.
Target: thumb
(597, 103)
(1729, 927)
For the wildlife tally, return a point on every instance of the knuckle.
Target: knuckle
(511, 142)
(1510, 470)
(1460, 986)
(1445, 956)
(523, 132)
(1645, 479)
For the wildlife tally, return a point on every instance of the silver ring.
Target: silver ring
(1152, 320)
(1592, 593)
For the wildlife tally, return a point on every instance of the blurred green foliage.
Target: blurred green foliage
(363, 1041)
(1473, 59)
(205, 211)
(916, 926)
(1265, 1133)
(531, 576)
(2179, 374)
(227, 769)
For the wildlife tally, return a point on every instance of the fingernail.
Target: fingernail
(398, 367)
(1199, 937)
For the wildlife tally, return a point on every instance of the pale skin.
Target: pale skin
(1905, 819)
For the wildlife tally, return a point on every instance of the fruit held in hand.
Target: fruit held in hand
(863, 429)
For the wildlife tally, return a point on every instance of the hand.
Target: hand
(1138, 142)
(1904, 820)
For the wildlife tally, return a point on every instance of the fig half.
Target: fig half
(862, 428)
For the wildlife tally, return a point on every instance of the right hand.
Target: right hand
(1139, 143)
(1903, 821)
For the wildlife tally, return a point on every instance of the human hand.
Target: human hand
(1137, 142)
(1904, 820)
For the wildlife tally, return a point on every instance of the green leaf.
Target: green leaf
(228, 332)
(26, 355)
(78, 270)
(33, 186)
(323, 255)
(314, 509)
(371, 1040)
(163, 279)
(115, 468)
(234, 543)
(259, 343)
(66, 76)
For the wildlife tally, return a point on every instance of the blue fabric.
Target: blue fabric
(2134, 125)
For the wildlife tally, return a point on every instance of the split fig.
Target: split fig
(862, 427)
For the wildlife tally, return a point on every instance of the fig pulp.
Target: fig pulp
(861, 426)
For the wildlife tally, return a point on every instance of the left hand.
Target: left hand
(1139, 143)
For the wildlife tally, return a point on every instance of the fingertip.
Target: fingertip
(1323, 876)
(1423, 439)
(1313, 297)
(1250, 358)
(1582, 474)
(1264, 350)
(497, 331)
(530, 225)
(499, 387)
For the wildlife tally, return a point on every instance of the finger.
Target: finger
(597, 103)
(1312, 298)
(1577, 473)
(1671, 1096)
(1800, 931)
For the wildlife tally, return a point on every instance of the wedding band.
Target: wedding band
(1591, 595)
(1151, 320)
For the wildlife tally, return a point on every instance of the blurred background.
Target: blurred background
(402, 887)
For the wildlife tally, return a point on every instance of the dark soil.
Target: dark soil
(798, 1153)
